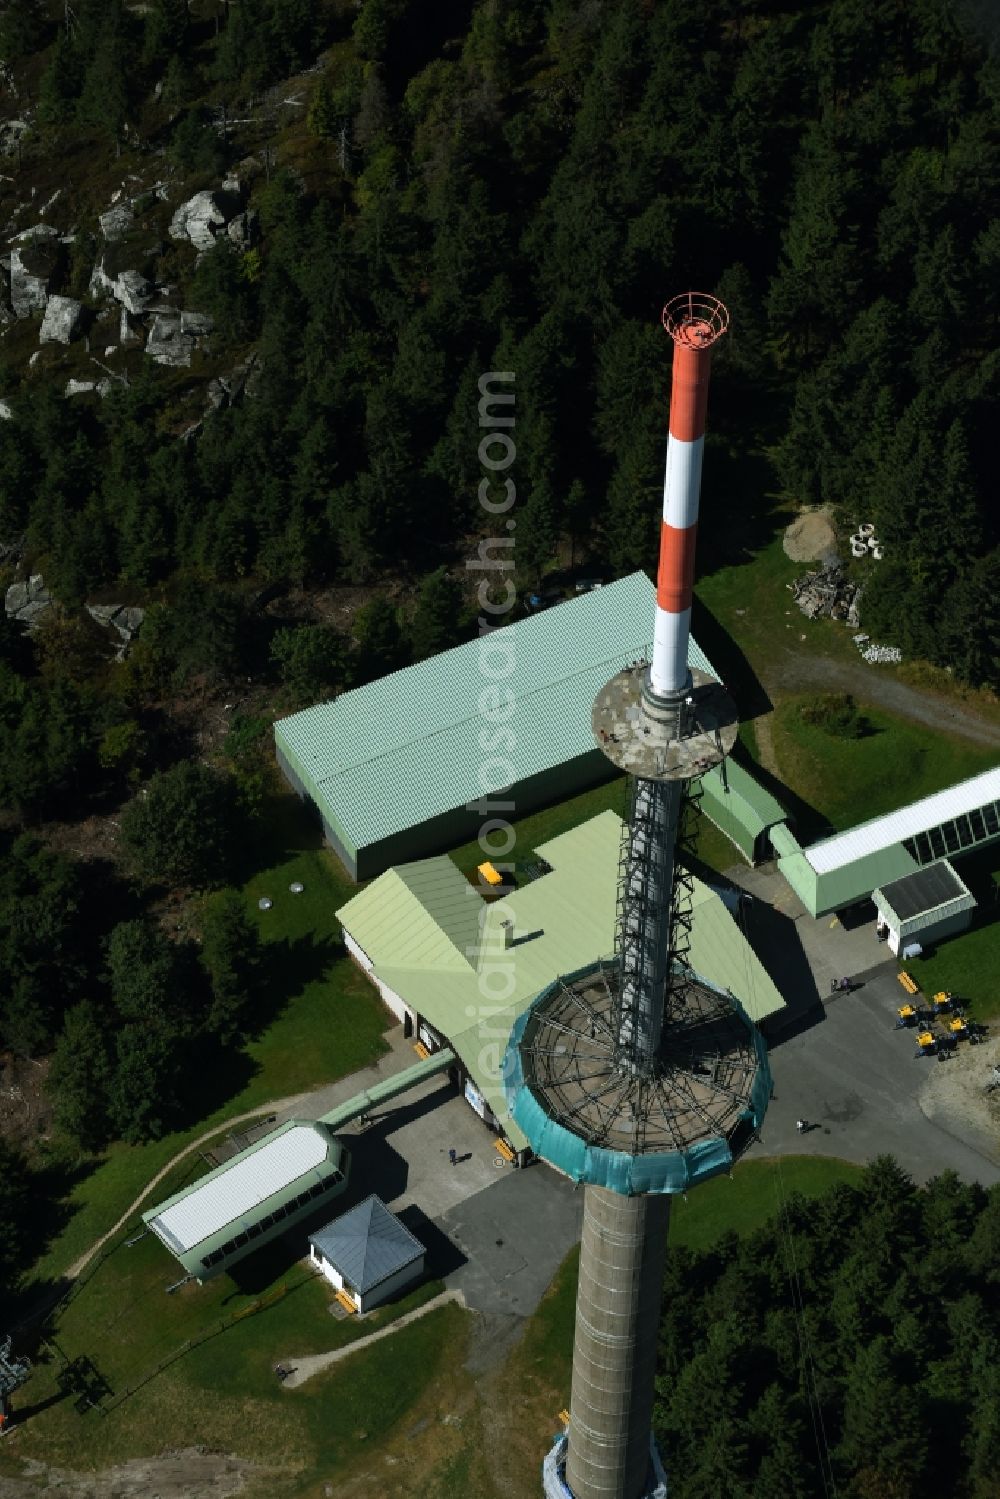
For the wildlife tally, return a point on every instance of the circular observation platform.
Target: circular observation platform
(677, 742)
(603, 1124)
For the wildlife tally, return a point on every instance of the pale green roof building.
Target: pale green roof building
(392, 767)
(446, 963)
(846, 867)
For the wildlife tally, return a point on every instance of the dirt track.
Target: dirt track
(791, 672)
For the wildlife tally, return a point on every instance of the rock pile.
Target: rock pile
(827, 591)
(877, 655)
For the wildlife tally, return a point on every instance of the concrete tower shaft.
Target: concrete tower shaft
(622, 1256)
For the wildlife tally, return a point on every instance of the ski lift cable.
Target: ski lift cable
(805, 1345)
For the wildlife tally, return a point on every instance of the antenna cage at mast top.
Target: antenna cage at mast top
(696, 319)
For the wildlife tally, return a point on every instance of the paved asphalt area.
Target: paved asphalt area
(856, 1081)
(513, 1237)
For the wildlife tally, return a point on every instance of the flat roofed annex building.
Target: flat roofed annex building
(393, 767)
(368, 1254)
(449, 967)
(924, 907)
(839, 871)
(252, 1199)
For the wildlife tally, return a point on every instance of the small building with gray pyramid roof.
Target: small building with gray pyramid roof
(367, 1254)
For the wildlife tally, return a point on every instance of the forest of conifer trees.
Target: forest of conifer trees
(519, 186)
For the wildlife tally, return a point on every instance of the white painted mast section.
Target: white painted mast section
(669, 673)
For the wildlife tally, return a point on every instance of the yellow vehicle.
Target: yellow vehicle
(942, 1002)
(907, 1016)
(958, 1026)
(926, 1043)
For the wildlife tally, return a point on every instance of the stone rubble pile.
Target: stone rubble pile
(877, 655)
(827, 591)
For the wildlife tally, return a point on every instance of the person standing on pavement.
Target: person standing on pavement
(452, 1156)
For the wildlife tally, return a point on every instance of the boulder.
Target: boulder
(78, 387)
(198, 324)
(6, 414)
(128, 621)
(61, 320)
(204, 217)
(36, 232)
(101, 284)
(123, 619)
(116, 221)
(27, 601)
(11, 134)
(167, 342)
(244, 230)
(129, 330)
(133, 291)
(102, 614)
(32, 266)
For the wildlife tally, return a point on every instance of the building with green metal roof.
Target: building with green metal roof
(742, 809)
(260, 1194)
(394, 767)
(459, 970)
(845, 868)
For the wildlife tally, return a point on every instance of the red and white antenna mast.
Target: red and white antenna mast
(695, 321)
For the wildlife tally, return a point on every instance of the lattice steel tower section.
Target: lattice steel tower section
(636, 1077)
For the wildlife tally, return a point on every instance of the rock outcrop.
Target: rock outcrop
(124, 619)
(11, 134)
(27, 602)
(173, 336)
(204, 217)
(116, 221)
(61, 321)
(133, 291)
(33, 262)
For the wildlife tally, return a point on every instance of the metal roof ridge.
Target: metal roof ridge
(948, 814)
(449, 728)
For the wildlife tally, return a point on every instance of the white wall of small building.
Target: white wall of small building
(375, 1297)
(398, 1006)
(329, 1271)
(912, 931)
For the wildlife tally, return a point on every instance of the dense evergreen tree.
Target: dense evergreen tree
(80, 1075)
(804, 1358)
(231, 954)
(179, 830)
(438, 620)
(311, 659)
(43, 947)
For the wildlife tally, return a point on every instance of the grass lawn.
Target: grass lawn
(323, 1021)
(847, 781)
(745, 611)
(124, 1322)
(969, 964)
(748, 1199)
